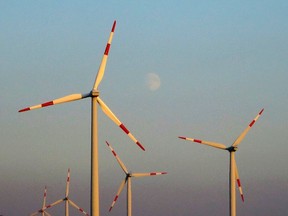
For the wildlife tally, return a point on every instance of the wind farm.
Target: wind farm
(94, 200)
(66, 200)
(197, 69)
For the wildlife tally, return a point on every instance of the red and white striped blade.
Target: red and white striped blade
(241, 137)
(77, 207)
(117, 158)
(213, 144)
(112, 116)
(147, 174)
(238, 182)
(53, 204)
(43, 205)
(44, 197)
(118, 193)
(65, 99)
(102, 66)
(67, 183)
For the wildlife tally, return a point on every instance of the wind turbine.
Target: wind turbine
(234, 176)
(42, 211)
(128, 181)
(94, 95)
(67, 200)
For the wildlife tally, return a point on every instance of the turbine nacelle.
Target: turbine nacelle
(94, 93)
(232, 148)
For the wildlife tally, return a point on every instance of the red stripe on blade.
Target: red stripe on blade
(238, 181)
(124, 129)
(24, 110)
(198, 141)
(139, 144)
(252, 123)
(113, 27)
(182, 137)
(47, 104)
(107, 49)
(114, 153)
(116, 197)
(261, 111)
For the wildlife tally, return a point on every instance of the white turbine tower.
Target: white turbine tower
(128, 181)
(94, 95)
(234, 176)
(67, 200)
(42, 211)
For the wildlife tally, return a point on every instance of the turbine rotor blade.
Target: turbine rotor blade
(241, 137)
(46, 213)
(65, 99)
(35, 213)
(102, 66)
(111, 115)
(44, 197)
(53, 204)
(147, 174)
(238, 182)
(117, 158)
(67, 184)
(77, 207)
(213, 144)
(118, 193)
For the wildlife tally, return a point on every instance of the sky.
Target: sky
(215, 65)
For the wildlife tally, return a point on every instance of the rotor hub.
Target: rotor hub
(232, 149)
(95, 93)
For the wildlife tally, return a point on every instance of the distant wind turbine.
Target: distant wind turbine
(42, 211)
(94, 95)
(234, 176)
(128, 181)
(67, 200)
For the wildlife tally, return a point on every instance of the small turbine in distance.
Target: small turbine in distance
(67, 200)
(42, 210)
(234, 176)
(128, 181)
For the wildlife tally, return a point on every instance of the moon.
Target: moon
(153, 81)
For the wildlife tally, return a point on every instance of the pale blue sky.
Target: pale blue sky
(219, 63)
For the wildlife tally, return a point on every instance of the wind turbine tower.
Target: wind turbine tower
(95, 100)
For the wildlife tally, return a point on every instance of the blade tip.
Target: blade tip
(140, 145)
(181, 137)
(24, 110)
(114, 26)
(261, 111)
